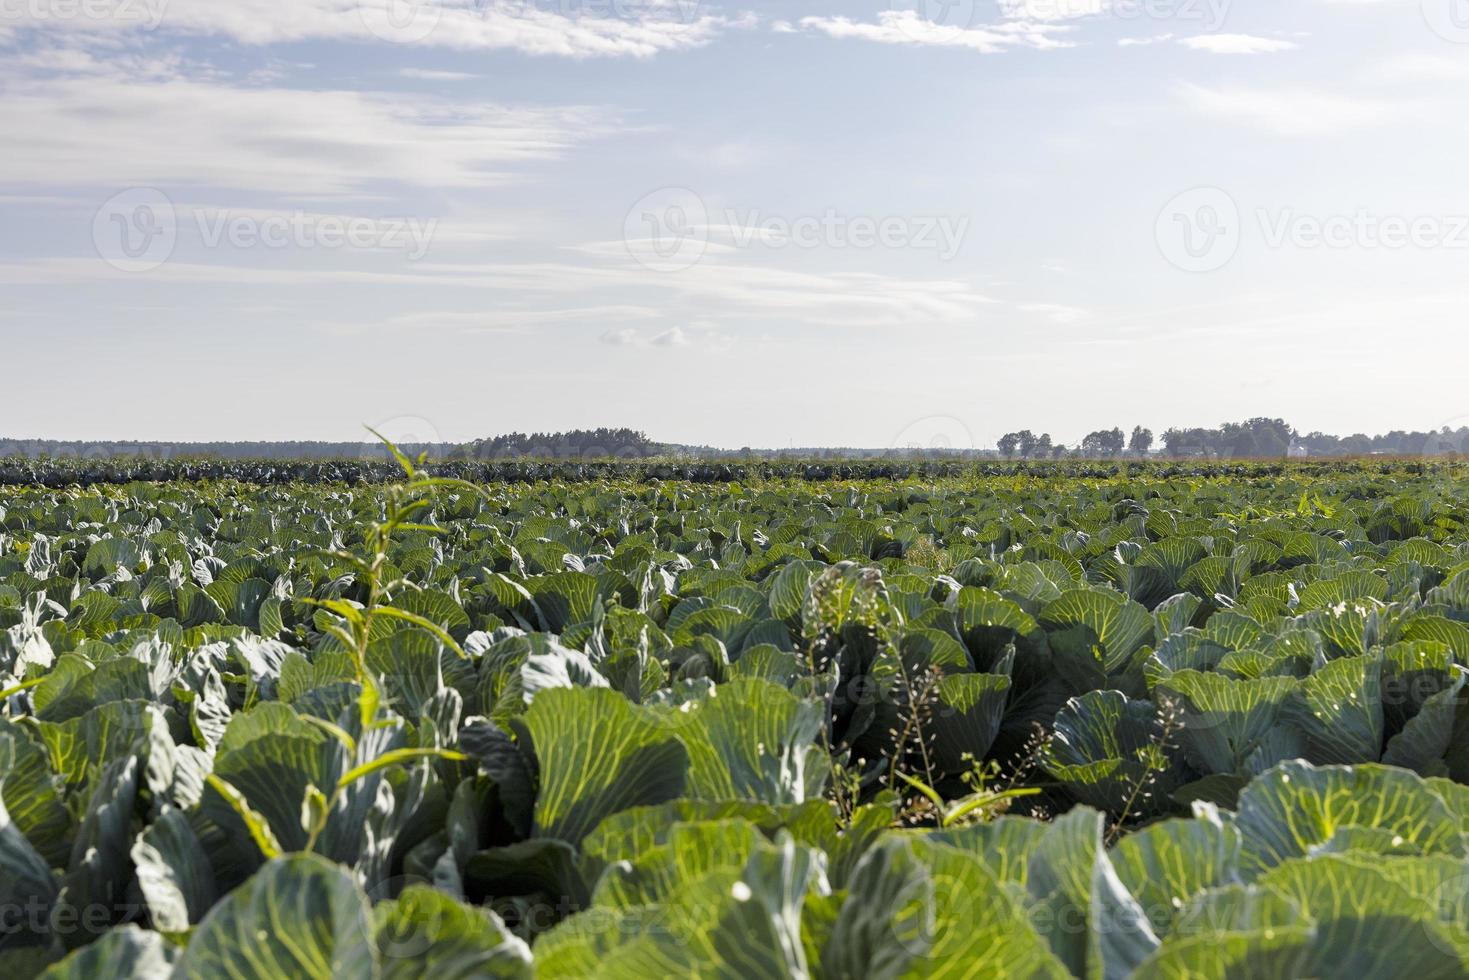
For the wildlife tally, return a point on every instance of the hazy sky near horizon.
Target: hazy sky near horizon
(757, 223)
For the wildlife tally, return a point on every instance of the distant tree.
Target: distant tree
(1058, 451)
(1258, 438)
(1042, 447)
(1009, 444)
(1239, 440)
(1107, 442)
(1273, 437)
(1191, 442)
(1028, 443)
(1141, 442)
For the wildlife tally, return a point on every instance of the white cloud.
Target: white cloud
(1294, 112)
(846, 300)
(500, 320)
(624, 337)
(467, 25)
(700, 334)
(1058, 313)
(907, 28)
(1138, 42)
(430, 75)
(1237, 44)
(102, 127)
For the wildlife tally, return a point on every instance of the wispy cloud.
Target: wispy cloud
(847, 300)
(501, 320)
(430, 75)
(1058, 313)
(102, 125)
(1053, 10)
(673, 337)
(1138, 42)
(1237, 44)
(1294, 112)
(647, 28)
(906, 27)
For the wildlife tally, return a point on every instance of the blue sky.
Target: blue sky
(801, 223)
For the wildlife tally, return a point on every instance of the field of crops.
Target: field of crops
(1107, 722)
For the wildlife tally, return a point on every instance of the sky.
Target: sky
(773, 224)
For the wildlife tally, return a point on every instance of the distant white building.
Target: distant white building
(1298, 450)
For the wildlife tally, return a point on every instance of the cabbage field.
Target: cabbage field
(1096, 721)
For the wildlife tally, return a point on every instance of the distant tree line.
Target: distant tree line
(576, 444)
(1266, 438)
(1258, 438)
(105, 449)
(1103, 444)
(1444, 442)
